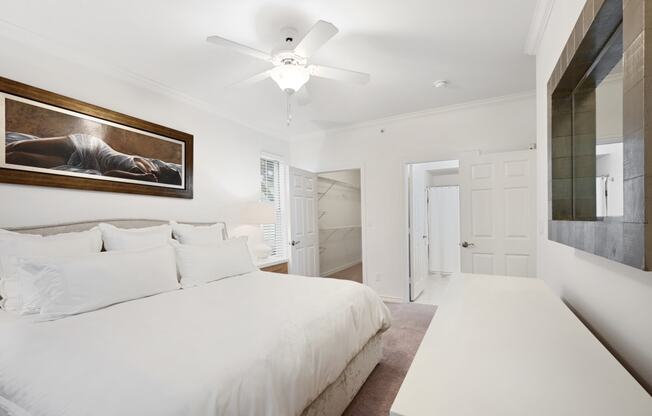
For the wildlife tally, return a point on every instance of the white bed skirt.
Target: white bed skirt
(336, 398)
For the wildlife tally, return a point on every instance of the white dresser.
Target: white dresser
(505, 346)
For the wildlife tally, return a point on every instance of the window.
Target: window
(272, 190)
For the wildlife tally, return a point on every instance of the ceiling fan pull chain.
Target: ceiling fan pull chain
(289, 110)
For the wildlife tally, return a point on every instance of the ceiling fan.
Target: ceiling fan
(291, 69)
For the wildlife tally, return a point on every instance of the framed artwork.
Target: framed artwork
(50, 140)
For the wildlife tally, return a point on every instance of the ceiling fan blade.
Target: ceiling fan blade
(319, 34)
(339, 74)
(254, 79)
(303, 96)
(225, 43)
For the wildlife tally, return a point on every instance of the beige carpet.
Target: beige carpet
(400, 344)
(352, 273)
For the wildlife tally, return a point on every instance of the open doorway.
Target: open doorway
(434, 221)
(494, 232)
(340, 225)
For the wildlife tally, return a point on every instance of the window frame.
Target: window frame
(279, 244)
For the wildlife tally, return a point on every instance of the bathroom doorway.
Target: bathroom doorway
(434, 222)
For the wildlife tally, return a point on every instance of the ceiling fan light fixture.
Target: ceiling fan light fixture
(289, 77)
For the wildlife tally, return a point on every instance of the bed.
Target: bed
(255, 344)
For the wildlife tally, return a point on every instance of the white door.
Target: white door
(418, 197)
(498, 213)
(304, 233)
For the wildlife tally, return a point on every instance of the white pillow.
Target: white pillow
(197, 234)
(68, 286)
(19, 293)
(82, 240)
(134, 238)
(21, 245)
(202, 264)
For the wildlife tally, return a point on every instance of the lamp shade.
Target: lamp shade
(257, 213)
(290, 77)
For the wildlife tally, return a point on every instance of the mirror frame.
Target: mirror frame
(620, 239)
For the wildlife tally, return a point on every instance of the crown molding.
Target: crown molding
(98, 65)
(538, 25)
(418, 114)
(59, 50)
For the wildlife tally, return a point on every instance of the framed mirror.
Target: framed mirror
(597, 135)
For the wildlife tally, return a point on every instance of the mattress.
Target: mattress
(256, 344)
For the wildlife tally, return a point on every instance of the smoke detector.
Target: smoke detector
(442, 83)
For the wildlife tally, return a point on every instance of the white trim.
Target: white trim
(418, 114)
(538, 25)
(60, 50)
(405, 173)
(363, 223)
(65, 52)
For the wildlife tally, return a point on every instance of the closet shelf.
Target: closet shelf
(333, 183)
(338, 183)
(342, 227)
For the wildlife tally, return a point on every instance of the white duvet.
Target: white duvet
(257, 344)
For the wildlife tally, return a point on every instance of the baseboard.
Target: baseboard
(340, 268)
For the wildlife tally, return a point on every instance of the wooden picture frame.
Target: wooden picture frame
(152, 175)
(571, 211)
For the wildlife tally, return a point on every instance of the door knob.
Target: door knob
(466, 244)
(294, 243)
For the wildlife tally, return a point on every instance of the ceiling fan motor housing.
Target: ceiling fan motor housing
(289, 34)
(291, 70)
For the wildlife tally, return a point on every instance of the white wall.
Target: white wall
(492, 125)
(445, 180)
(613, 299)
(609, 109)
(226, 166)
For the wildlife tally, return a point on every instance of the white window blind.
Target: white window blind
(272, 188)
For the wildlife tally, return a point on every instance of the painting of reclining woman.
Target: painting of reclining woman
(83, 153)
(46, 139)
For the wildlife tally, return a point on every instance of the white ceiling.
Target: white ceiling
(404, 44)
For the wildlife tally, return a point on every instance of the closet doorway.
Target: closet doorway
(340, 225)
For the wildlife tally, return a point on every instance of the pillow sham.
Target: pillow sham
(19, 293)
(92, 238)
(67, 286)
(197, 234)
(22, 245)
(134, 238)
(202, 264)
